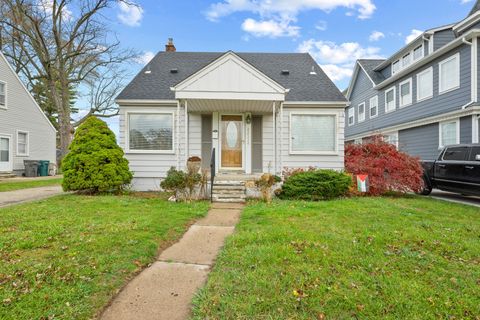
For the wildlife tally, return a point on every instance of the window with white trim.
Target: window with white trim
(358, 141)
(425, 84)
(405, 93)
(395, 66)
(22, 143)
(418, 53)
(313, 133)
(449, 73)
(406, 60)
(361, 112)
(374, 107)
(390, 104)
(150, 132)
(3, 95)
(449, 133)
(351, 116)
(391, 138)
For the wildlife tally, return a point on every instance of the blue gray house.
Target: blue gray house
(423, 97)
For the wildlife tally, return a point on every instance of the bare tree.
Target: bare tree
(65, 45)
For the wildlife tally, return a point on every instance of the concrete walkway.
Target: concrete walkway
(166, 288)
(9, 198)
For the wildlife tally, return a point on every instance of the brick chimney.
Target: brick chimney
(170, 47)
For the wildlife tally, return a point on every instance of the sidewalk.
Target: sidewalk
(166, 288)
(9, 198)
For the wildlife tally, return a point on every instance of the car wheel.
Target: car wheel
(426, 190)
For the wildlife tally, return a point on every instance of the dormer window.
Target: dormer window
(406, 60)
(418, 53)
(396, 67)
(3, 95)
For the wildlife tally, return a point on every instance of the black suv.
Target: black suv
(457, 169)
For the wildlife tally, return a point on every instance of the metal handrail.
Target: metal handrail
(212, 173)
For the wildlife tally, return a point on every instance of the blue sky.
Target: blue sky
(335, 32)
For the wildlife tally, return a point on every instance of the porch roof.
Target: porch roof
(234, 106)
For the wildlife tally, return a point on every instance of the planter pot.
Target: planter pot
(194, 166)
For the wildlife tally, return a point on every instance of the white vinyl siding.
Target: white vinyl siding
(150, 132)
(405, 89)
(22, 143)
(361, 112)
(374, 107)
(313, 133)
(449, 133)
(449, 73)
(425, 84)
(351, 116)
(390, 104)
(3, 95)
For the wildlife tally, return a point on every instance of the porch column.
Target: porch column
(281, 140)
(177, 134)
(274, 139)
(248, 144)
(186, 132)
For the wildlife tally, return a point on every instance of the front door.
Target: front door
(231, 128)
(5, 154)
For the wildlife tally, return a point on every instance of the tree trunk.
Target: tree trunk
(62, 106)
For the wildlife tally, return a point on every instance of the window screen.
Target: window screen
(151, 132)
(316, 133)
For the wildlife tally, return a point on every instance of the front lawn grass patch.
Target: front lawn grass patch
(18, 185)
(360, 258)
(65, 257)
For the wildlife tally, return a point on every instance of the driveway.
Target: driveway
(454, 197)
(26, 195)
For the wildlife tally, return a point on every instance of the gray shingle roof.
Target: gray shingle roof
(302, 85)
(369, 66)
(475, 8)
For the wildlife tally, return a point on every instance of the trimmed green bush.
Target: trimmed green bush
(95, 163)
(316, 185)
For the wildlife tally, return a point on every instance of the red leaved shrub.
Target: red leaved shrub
(387, 168)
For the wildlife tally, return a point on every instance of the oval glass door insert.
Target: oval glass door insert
(232, 135)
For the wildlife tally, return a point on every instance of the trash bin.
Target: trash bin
(43, 168)
(31, 168)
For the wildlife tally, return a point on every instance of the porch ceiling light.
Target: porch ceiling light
(248, 118)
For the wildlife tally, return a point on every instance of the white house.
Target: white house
(258, 112)
(25, 131)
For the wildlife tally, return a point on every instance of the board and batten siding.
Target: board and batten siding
(288, 160)
(23, 114)
(439, 104)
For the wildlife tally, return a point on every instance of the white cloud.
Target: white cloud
(145, 57)
(130, 14)
(413, 35)
(321, 25)
(270, 28)
(284, 12)
(376, 36)
(338, 60)
(465, 1)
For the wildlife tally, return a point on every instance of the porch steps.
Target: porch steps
(229, 191)
(7, 175)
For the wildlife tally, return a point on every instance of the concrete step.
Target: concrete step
(228, 187)
(228, 191)
(7, 175)
(228, 183)
(229, 200)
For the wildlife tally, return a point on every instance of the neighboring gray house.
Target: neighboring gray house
(261, 112)
(423, 97)
(25, 131)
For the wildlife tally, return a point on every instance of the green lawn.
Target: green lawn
(64, 258)
(17, 185)
(368, 258)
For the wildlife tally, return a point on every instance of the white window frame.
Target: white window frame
(392, 133)
(400, 102)
(399, 66)
(422, 50)
(410, 59)
(457, 140)
(127, 132)
(307, 113)
(394, 99)
(351, 114)
(429, 70)
(358, 141)
(6, 96)
(361, 119)
(370, 107)
(440, 65)
(27, 147)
